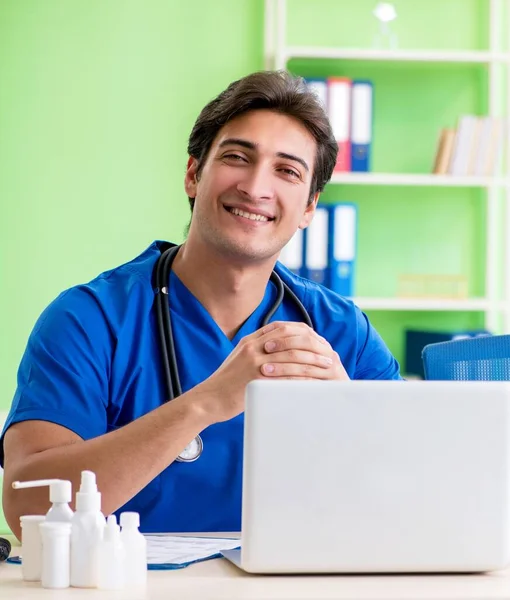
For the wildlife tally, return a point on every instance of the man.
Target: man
(91, 388)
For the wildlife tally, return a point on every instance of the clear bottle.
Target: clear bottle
(135, 547)
(60, 496)
(88, 524)
(112, 558)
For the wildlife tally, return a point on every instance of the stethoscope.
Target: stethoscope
(161, 272)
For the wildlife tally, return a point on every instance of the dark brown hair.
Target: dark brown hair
(272, 90)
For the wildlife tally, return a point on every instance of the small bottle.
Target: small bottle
(60, 496)
(86, 533)
(135, 547)
(31, 562)
(56, 538)
(112, 558)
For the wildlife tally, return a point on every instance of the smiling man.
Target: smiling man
(94, 382)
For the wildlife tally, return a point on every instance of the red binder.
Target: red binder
(339, 111)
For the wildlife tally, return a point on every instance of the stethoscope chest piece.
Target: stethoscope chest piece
(192, 451)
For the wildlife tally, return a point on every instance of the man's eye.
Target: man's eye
(234, 157)
(290, 172)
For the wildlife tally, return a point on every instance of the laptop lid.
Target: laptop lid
(375, 476)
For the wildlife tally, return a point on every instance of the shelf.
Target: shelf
(425, 304)
(451, 56)
(416, 180)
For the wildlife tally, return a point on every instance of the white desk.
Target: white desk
(219, 579)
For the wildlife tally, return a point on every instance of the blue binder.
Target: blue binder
(342, 248)
(361, 125)
(316, 247)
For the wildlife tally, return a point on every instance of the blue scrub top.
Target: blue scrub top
(92, 364)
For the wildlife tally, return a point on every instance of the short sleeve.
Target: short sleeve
(64, 373)
(374, 360)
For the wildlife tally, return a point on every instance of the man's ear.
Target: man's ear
(309, 211)
(191, 179)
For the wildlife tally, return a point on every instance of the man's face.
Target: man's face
(253, 191)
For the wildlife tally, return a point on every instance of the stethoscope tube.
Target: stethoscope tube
(164, 323)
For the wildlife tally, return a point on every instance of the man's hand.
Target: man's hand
(281, 350)
(295, 351)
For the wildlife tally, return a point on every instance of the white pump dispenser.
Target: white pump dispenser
(60, 496)
(87, 531)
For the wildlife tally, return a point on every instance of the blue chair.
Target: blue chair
(485, 358)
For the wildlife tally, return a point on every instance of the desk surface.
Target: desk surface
(219, 579)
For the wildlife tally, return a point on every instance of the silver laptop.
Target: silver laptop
(375, 476)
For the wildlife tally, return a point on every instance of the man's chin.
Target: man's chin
(242, 251)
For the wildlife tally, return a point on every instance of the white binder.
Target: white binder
(317, 238)
(292, 253)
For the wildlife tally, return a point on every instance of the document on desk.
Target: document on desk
(165, 552)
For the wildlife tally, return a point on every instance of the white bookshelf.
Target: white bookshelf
(416, 180)
(497, 189)
(424, 304)
(392, 55)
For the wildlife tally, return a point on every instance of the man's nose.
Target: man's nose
(256, 184)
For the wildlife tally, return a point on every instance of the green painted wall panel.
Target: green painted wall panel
(421, 24)
(97, 99)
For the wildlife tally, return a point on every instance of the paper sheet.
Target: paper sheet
(180, 551)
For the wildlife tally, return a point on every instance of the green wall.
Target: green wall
(97, 98)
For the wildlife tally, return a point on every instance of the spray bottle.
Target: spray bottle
(60, 496)
(86, 533)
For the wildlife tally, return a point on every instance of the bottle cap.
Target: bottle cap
(88, 482)
(111, 530)
(55, 528)
(129, 520)
(88, 498)
(29, 520)
(61, 491)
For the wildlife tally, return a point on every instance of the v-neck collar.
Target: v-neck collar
(183, 303)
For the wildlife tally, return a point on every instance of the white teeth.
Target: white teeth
(247, 215)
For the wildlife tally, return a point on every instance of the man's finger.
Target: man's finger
(301, 357)
(296, 342)
(276, 369)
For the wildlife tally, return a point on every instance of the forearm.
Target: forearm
(124, 461)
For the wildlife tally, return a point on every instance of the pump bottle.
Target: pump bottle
(60, 512)
(60, 496)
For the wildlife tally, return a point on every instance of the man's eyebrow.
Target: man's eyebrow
(293, 157)
(251, 146)
(238, 142)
